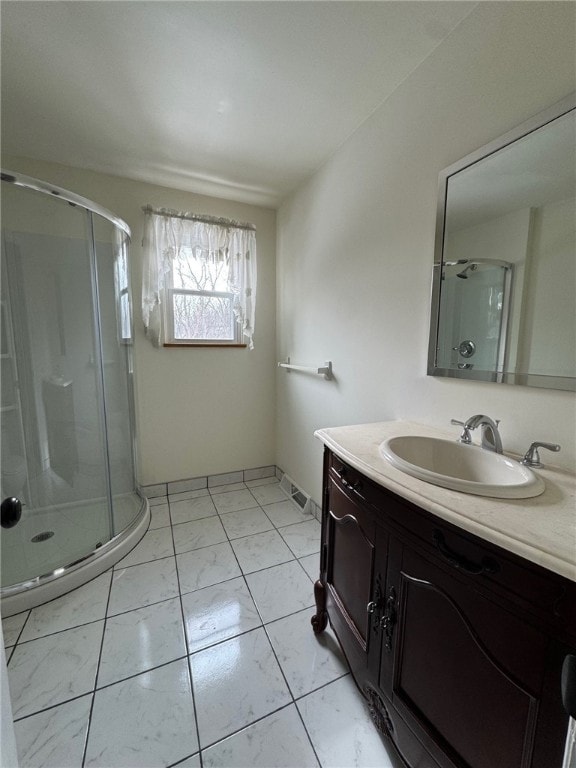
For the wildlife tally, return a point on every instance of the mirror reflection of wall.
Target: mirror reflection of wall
(548, 333)
(512, 204)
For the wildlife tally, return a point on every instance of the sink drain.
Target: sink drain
(42, 536)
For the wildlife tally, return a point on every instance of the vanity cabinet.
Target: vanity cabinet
(456, 644)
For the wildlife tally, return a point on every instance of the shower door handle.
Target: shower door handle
(11, 512)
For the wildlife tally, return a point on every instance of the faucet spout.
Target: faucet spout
(491, 440)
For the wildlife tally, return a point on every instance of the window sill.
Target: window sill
(200, 345)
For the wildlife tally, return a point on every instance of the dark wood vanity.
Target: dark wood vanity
(456, 643)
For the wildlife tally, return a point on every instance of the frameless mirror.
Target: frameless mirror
(504, 279)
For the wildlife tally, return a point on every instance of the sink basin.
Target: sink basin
(465, 468)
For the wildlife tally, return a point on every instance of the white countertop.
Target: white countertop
(541, 529)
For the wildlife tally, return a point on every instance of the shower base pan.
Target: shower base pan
(41, 589)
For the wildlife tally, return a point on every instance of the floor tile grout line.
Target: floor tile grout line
(20, 642)
(19, 635)
(23, 627)
(315, 690)
(188, 652)
(296, 557)
(245, 579)
(258, 505)
(272, 477)
(291, 550)
(307, 732)
(238, 561)
(294, 699)
(276, 527)
(261, 507)
(180, 595)
(141, 672)
(60, 631)
(58, 597)
(85, 750)
(53, 706)
(188, 662)
(140, 607)
(97, 687)
(245, 727)
(188, 757)
(293, 702)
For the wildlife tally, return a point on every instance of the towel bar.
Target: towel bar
(324, 370)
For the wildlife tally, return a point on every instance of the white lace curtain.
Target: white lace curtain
(167, 233)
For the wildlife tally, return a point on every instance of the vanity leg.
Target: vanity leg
(320, 619)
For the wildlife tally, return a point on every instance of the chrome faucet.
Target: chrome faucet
(532, 457)
(490, 441)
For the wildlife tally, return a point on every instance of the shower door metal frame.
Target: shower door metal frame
(99, 365)
(28, 182)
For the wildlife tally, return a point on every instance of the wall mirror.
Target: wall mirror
(504, 277)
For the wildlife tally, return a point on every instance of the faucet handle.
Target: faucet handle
(465, 437)
(532, 456)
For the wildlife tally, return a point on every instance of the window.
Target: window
(198, 279)
(199, 306)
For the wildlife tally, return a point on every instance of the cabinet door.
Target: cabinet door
(350, 542)
(466, 674)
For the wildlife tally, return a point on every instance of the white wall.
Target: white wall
(199, 411)
(551, 335)
(355, 243)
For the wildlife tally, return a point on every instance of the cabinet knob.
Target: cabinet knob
(371, 607)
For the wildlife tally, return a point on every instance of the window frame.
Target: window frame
(171, 341)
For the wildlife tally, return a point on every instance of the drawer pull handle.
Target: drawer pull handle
(344, 518)
(371, 607)
(356, 486)
(461, 563)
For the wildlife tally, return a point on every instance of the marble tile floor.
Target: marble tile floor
(195, 650)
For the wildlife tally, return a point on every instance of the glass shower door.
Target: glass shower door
(52, 421)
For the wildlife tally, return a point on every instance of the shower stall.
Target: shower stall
(473, 331)
(70, 504)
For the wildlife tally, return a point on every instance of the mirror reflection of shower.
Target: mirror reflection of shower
(475, 307)
(472, 266)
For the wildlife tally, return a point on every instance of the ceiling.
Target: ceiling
(242, 100)
(533, 171)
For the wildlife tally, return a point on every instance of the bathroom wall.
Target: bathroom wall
(199, 411)
(355, 244)
(552, 335)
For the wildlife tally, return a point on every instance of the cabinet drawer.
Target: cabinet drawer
(355, 485)
(527, 586)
